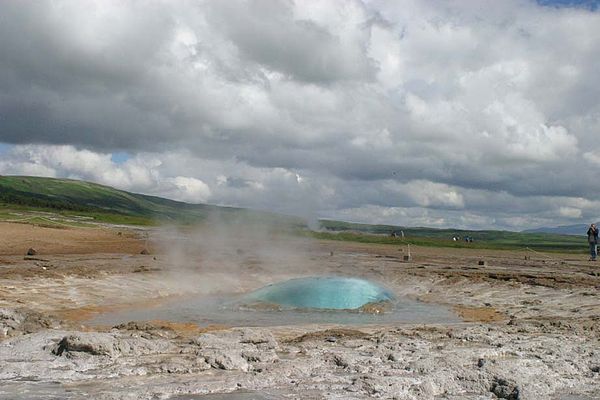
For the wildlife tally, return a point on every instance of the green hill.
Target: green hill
(104, 203)
(73, 202)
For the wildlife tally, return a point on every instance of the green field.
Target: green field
(499, 240)
(67, 202)
(488, 239)
(72, 198)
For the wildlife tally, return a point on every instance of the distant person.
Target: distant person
(592, 234)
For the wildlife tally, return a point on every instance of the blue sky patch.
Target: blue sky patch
(587, 4)
(4, 148)
(120, 157)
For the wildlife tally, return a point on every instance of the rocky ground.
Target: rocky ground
(530, 330)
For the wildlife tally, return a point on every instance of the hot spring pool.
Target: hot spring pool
(321, 293)
(310, 300)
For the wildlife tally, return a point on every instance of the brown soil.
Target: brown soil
(180, 329)
(17, 238)
(479, 314)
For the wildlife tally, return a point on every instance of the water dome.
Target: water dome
(332, 293)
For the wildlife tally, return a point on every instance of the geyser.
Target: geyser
(314, 300)
(331, 293)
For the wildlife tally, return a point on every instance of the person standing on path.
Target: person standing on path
(592, 234)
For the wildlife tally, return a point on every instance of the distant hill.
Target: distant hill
(69, 195)
(577, 229)
(440, 233)
(73, 199)
(539, 241)
(399, 231)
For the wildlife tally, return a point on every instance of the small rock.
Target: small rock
(108, 344)
(423, 365)
(94, 344)
(341, 361)
(10, 322)
(504, 389)
(226, 359)
(31, 251)
(183, 366)
(262, 356)
(15, 323)
(144, 268)
(263, 339)
(145, 252)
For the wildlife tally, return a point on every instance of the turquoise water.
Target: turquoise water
(313, 300)
(330, 293)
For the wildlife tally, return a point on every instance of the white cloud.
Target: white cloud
(592, 156)
(444, 112)
(570, 212)
(182, 176)
(428, 194)
(188, 189)
(139, 174)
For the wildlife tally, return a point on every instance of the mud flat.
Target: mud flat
(526, 328)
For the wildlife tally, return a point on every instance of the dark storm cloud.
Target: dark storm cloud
(266, 32)
(64, 81)
(413, 110)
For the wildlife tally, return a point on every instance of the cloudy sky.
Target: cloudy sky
(465, 113)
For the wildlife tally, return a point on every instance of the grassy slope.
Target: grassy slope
(103, 203)
(75, 199)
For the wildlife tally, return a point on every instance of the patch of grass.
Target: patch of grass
(75, 219)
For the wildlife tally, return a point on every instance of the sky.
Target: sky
(472, 114)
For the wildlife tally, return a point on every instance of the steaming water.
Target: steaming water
(298, 301)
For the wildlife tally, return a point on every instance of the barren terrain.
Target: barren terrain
(530, 320)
